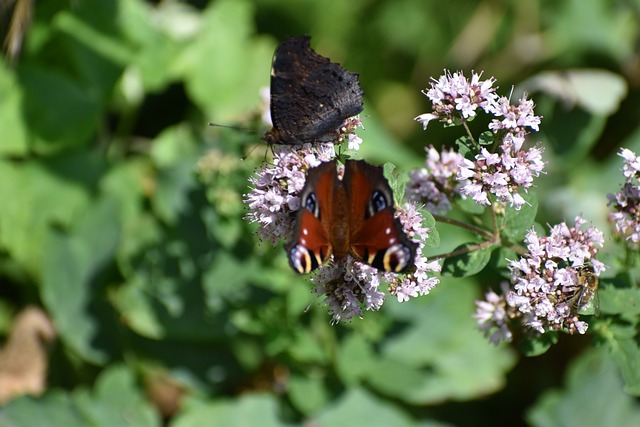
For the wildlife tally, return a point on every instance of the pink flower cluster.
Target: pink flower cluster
(543, 283)
(501, 172)
(275, 189)
(435, 185)
(455, 97)
(626, 203)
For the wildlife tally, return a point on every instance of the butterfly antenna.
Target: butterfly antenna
(239, 128)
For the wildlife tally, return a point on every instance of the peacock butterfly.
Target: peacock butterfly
(310, 95)
(353, 215)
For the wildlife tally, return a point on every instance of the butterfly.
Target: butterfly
(310, 95)
(349, 216)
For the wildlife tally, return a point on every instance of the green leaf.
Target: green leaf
(115, 395)
(517, 223)
(486, 138)
(466, 264)
(626, 354)
(175, 155)
(396, 182)
(54, 410)
(73, 296)
(308, 394)
(535, 346)
(599, 92)
(116, 401)
(12, 123)
(358, 407)
(470, 207)
(225, 66)
(429, 358)
(592, 396)
(625, 301)
(59, 112)
(354, 359)
(40, 197)
(464, 146)
(429, 222)
(246, 410)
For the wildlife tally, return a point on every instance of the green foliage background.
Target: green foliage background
(133, 242)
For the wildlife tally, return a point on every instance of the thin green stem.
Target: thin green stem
(477, 230)
(464, 250)
(473, 140)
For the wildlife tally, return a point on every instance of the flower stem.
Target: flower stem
(465, 250)
(473, 140)
(477, 230)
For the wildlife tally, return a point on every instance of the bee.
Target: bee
(583, 299)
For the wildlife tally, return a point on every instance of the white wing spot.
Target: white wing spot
(388, 230)
(305, 231)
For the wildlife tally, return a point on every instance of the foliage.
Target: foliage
(122, 214)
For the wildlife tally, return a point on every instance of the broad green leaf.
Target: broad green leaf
(308, 393)
(226, 64)
(466, 264)
(625, 301)
(518, 222)
(626, 354)
(175, 154)
(537, 345)
(40, 198)
(116, 400)
(357, 407)
(429, 222)
(71, 292)
(247, 410)
(55, 409)
(470, 207)
(437, 346)
(159, 34)
(592, 396)
(354, 359)
(12, 122)
(597, 91)
(59, 112)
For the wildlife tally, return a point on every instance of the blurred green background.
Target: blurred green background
(121, 211)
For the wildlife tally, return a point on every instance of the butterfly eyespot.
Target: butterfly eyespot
(396, 258)
(378, 202)
(311, 204)
(302, 260)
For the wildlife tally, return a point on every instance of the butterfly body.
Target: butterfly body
(349, 216)
(310, 95)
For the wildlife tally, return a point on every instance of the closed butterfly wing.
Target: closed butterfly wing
(310, 95)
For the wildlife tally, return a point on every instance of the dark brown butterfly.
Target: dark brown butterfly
(353, 215)
(310, 95)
